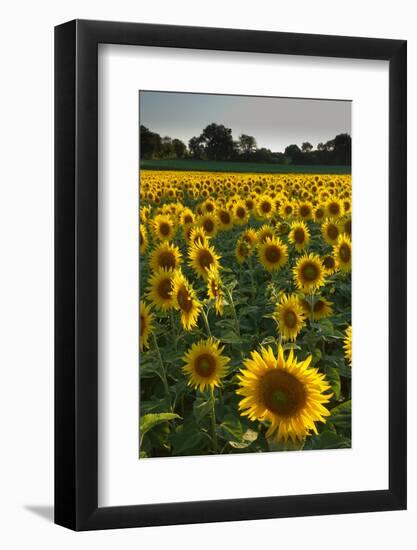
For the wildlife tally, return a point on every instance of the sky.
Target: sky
(274, 122)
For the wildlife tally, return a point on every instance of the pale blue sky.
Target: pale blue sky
(274, 122)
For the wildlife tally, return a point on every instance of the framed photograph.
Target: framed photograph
(230, 338)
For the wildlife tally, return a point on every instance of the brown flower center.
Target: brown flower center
(304, 211)
(334, 208)
(318, 306)
(344, 252)
(332, 232)
(205, 259)
(225, 217)
(240, 212)
(282, 392)
(164, 288)
(272, 254)
(329, 262)
(142, 324)
(266, 207)
(205, 365)
(167, 259)
(290, 318)
(184, 300)
(208, 225)
(164, 228)
(310, 272)
(299, 235)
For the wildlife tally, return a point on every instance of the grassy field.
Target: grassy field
(248, 167)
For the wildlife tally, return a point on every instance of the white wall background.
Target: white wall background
(26, 273)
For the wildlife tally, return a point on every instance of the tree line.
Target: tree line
(216, 143)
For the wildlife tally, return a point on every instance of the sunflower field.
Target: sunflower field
(245, 312)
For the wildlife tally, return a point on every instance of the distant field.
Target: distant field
(213, 166)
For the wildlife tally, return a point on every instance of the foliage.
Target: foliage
(178, 419)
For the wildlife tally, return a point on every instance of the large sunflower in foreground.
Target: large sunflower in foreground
(160, 288)
(309, 273)
(347, 344)
(205, 365)
(145, 325)
(185, 301)
(202, 258)
(290, 317)
(165, 255)
(273, 254)
(286, 393)
(342, 253)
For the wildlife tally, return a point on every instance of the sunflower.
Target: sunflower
(160, 288)
(165, 255)
(346, 226)
(186, 217)
(197, 235)
(145, 325)
(309, 273)
(240, 213)
(202, 258)
(329, 264)
(163, 228)
(143, 239)
(273, 254)
(334, 208)
(209, 223)
(185, 301)
(225, 219)
(265, 207)
(330, 232)
(288, 394)
(342, 253)
(319, 309)
(249, 236)
(347, 344)
(243, 250)
(319, 214)
(286, 210)
(205, 365)
(264, 233)
(305, 210)
(214, 289)
(299, 235)
(290, 317)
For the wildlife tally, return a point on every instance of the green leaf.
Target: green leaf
(186, 437)
(149, 421)
(230, 337)
(247, 439)
(201, 408)
(341, 416)
(329, 440)
(332, 375)
(230, 429)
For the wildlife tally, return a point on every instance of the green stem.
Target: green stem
(213, 420)
(229, 295)
(174, 329)
(163, 371)
(206, 323)
(251, 275)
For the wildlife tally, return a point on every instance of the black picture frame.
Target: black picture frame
(76, 272)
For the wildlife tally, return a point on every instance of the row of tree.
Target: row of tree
(216, 143)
